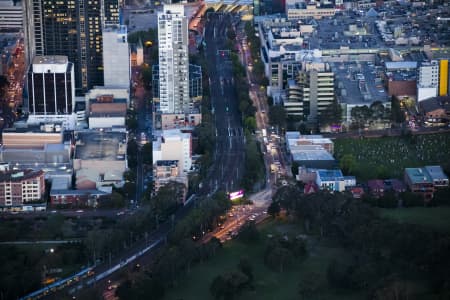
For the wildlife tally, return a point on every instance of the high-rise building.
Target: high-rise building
(51, 90)
(427, 80)
(10, 15)
(173, 60)
(116, 55)
(72, 28)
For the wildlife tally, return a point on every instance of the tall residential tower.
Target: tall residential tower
(173, 60)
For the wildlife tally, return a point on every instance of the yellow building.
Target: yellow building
(443, 77)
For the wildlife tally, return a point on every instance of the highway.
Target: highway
(227, 168)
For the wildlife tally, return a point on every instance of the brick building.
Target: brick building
(18, 188)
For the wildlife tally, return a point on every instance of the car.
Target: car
(80, 211)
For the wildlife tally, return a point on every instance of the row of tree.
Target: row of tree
(181, 251)
(383, 254)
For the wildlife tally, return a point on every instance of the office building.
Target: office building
(116, 55)
(10, 15)
(173, 60)
(51, 91)
(311, 92)
(70, 28)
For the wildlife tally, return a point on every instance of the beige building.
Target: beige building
(173, 144)
(172, 121)
(32, 138)
(166, 171)
(100, 159)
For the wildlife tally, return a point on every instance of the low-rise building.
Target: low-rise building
(435, 109)
(20, 188)
(106, 111)
(332, 180)
(100, 158)
(377, 187)
(424, 181)
(173, 144)
(166, 171)
(77, 198)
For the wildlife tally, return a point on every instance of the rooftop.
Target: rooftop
(417, 175)
(99, 145)
(16, 176)
(311, 155)
(330, 175)
(50, 59)
(436, 172)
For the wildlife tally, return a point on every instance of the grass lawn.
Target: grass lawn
(388, 156)
(268, 284)
(434, 217)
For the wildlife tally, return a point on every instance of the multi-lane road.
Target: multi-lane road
(227, 169)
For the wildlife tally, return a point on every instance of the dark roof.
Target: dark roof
(166, 163)
(19, 175)
(435, 103)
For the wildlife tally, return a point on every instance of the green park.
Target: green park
(387, 157)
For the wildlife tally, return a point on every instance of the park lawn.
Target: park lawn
(269, 285)
(437, 218)
(387, 157)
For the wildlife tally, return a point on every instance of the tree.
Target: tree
(3, 87)
(246, 267)
(309, 285)
(249, 232)
(397, 115)
(277, 116)
(250, 123)
(274, 209)
(147, 154)
(332, 114)
(278, 258)
(347, 163)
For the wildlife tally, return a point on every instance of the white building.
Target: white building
(116, 57)
(173, 144)
(173, 60)
(427, 80)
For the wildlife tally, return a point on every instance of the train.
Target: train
(60, 284)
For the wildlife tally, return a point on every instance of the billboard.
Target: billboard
(236, 195)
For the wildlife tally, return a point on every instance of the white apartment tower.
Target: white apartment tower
(428, 80)
(173, 60)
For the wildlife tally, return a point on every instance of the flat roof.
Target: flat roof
(328, 175)
(50, 59)
(100, 145)
(436, 172)
(311, 155)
